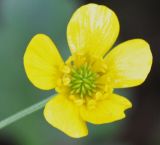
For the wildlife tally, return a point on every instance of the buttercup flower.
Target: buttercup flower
(85, 82)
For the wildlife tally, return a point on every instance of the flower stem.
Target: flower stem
(24, 113)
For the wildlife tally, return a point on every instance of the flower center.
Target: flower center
(83, 81)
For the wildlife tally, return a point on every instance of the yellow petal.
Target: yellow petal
(106, 111)
(41, 61)
(129, 63)
(64, 115)
(93, 28)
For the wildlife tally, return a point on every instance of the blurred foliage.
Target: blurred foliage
(19, 21)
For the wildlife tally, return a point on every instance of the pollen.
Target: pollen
(83, 81)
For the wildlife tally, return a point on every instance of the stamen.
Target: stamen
(66, 81)
(84, 79)
(91, 104)
(66, 69)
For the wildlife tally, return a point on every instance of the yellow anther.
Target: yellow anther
(91, 104)
(66, 80)
(99, 66)
(80, 62)
(103, 67)
(108, 89)
(80, 54)
(109, 79)
(98, 95)
(79, 102)
(66, 69)
(72, 97)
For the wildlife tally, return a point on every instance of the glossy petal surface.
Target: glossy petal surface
(92, 28)
(41, 62)
(129, 63)
(64, 115)
(106, 111)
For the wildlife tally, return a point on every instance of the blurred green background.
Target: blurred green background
(20, 20)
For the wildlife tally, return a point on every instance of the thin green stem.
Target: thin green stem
(24, 113)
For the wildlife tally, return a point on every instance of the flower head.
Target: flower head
(86, 81)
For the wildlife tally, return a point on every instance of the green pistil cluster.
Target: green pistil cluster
(83, 81)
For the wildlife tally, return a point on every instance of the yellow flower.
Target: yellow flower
(85, 82)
